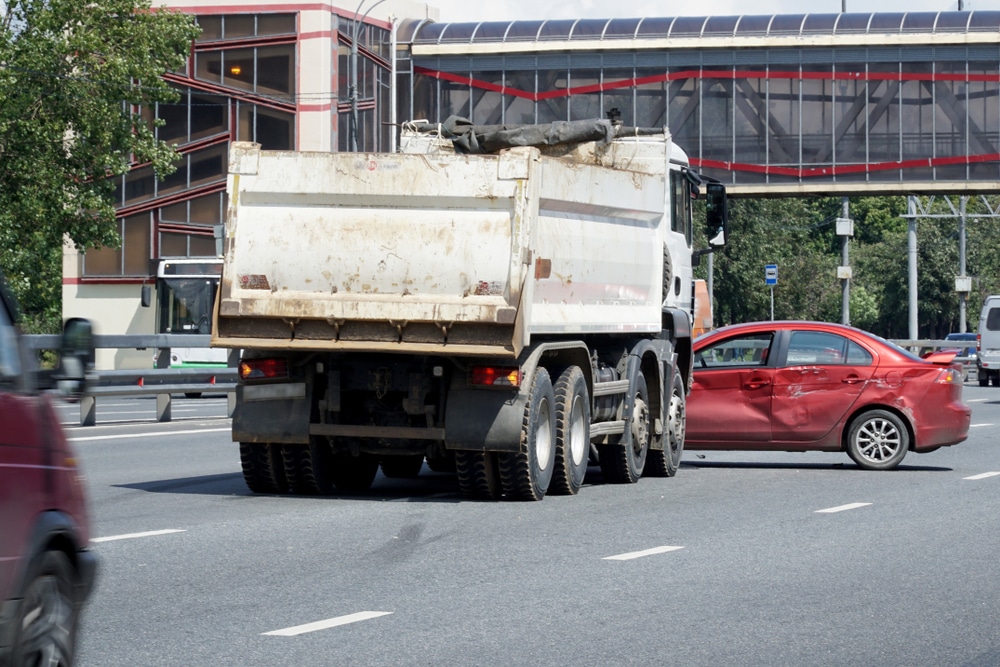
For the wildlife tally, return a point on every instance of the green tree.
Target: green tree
(74, 79)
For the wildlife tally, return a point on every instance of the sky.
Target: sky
(505, 10)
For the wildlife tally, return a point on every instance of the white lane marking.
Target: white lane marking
(977, 400)
(149, 435)
(328, 623)
(640, 554)
(983, 475)
(975, 425)
(131, 536)
(842, 508)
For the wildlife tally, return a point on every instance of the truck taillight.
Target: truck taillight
(495, 376)
(263, 369)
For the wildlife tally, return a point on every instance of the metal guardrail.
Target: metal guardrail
(162, 381)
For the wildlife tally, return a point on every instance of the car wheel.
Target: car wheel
(877, 440)
(983, 377)
(46, 626)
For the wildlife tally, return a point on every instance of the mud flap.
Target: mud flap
(279, 414)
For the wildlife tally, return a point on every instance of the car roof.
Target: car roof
(960, 336)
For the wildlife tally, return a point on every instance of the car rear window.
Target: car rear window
(993, 319)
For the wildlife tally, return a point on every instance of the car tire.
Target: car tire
(877, 440)
(983, 377)
(45, 628)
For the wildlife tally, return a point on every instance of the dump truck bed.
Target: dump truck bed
(436, 252)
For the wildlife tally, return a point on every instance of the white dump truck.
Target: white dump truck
(512, 303)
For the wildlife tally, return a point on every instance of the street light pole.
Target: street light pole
(354, 70)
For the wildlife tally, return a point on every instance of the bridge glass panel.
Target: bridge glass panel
(588, 28)
(849, 154)
(984, 22)
(982, 99)
(919, 22)
(430, 33)
(687, 26)
(882, 128)
(917, 116)
(655, 27)
(716, 116)
(487, 105)
(584, 105)
(786, 24)
(720, 26)
(521, 31)
(819, 24)
(622, 98)
(953, 22)
(621, 28)
(652, 95)
(853, 23)
(458, 32)
(753, 26)
(518, 109)
(491, 32)
(885, 23)
(556, 30)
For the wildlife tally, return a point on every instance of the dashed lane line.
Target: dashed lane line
(978, 425)
(842, 508)
(328, 623)
(983, 475)
(132, 536)
(640, 554)
(156, 434)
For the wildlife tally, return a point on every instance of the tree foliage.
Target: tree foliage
(74, 76)
(799, 236)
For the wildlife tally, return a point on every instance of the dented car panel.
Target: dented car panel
(797, 386)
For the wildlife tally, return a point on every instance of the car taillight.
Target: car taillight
(263, 369)
(949, 376)
(979, 343)
(495, 376)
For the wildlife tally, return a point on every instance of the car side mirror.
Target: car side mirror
(76, 357)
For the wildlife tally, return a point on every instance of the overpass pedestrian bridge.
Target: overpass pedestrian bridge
(836, 104)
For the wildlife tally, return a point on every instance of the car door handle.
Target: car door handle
(756, 383)
(852, 379)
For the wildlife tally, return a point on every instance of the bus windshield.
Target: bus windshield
(186, 305)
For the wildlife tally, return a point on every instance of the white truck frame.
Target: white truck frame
(514, 314)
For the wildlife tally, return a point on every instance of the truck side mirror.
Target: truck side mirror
(146, 296)
(716, 214)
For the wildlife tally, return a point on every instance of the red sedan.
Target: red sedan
(798, 386)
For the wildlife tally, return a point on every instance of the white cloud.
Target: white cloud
(505, 10)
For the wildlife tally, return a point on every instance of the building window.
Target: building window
(131, 259)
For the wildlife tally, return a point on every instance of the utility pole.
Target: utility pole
(845, 230)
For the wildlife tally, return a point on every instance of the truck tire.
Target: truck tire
(572, 432)
(526, 475)
(307, 468)
(478, 475)
(353, 474)
(664, 462)
(623, 462)
(263, 467)
(401, 467)
(45, 627)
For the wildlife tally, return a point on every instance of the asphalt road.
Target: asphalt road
(741, 559)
